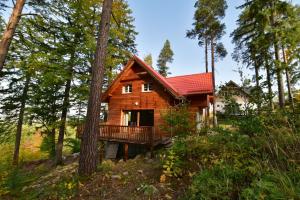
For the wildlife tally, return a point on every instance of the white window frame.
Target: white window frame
(148, 87)
(126, 90)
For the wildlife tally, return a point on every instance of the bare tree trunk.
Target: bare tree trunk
(88, 151)
(288, 80)
(256, 67)
(20, 122)
(62, 127)
(10, 30)
(206, 69)
(278, 69)
(279, 77)
(213, 80)
(270, 92)
(206, 55)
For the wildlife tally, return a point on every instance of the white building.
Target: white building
(232, 90)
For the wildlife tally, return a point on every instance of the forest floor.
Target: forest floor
(38, 177)
(138, 178)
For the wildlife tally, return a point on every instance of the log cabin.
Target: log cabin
(138, 98)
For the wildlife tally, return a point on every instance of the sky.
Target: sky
(158, 20)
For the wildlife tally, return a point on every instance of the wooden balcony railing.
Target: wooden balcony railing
(129, 134)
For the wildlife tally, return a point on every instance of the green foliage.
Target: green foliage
(207, 24)
(66, 188)
(259, 160)
(178, 121)
(73, 144)
(231, 107)
(148, 60)
(48, 145)
(172, 164)
(7, 131)
(149, 190)
(165, 56)
(250, 125)
(219, 182)
(106, 166)
(275, 185)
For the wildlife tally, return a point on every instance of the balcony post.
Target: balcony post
(125, 151)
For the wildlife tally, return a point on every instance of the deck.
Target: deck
(126, 134)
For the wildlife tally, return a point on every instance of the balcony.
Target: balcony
(127, 134)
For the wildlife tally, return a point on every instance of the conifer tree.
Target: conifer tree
(165, 56)
(209, 29)
(88, 150)
(12, 24)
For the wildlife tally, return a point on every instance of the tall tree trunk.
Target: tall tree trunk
(206, 55)
(277, 59)
(62, 127)
(288, 80)
(65, 107)
(258, 92)
(269, 83)
(206, 69)
(279, 77)
(20, 122)
(88, 151)
(10, 30)
(213, 80)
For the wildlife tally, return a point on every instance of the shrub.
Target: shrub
(178, 121)
(219, 182)
(275, 185)
(250, 125)
(73, 144)
(48, 145)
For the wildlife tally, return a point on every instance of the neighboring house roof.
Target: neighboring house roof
(178, 86)
(245, 90)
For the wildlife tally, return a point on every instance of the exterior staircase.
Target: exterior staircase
(111, 150)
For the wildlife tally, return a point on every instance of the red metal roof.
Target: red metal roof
(183, 85)
(192, 84)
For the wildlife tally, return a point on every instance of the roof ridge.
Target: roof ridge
(203, 73)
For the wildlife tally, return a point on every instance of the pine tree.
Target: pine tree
(12, 24)
(200, 28)
(264, 28)
(165, 56)
(88, 151)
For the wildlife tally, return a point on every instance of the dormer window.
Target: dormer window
(147, 87)
(127, 89)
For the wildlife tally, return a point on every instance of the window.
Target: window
(147, 87)
(127, 89)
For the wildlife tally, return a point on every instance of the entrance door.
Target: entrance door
(146, 118)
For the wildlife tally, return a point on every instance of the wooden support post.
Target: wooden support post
(138, 118)
(151, 150)
(125, 152)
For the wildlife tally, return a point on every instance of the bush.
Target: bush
(275, 185)
(250, 125)
(73, 144)
(48, 145)
(254, 162)
(178, 121)
(219, 182)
